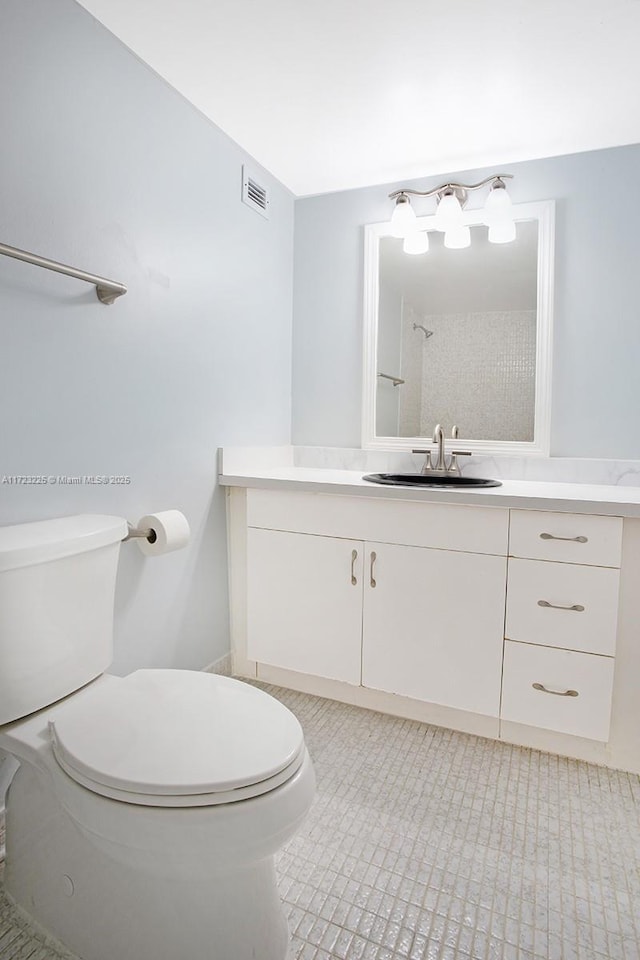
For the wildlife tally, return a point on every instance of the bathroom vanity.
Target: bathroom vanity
(509, 612)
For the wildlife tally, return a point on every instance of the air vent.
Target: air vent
(254, 194)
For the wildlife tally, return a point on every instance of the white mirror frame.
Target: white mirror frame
(544, 213)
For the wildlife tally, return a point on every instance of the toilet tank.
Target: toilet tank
(57, 588)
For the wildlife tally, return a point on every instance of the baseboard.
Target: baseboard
(222, 666)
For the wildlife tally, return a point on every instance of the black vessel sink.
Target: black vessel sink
(429, 480)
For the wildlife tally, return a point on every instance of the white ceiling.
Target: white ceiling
(344, 93)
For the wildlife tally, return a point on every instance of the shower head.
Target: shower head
(427, 333)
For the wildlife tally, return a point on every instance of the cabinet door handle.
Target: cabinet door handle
(372, 579)
(354, 557)
(556, 693)
(556, 606)
(551, 536)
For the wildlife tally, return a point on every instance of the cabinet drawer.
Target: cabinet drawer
(539, 593)
(591, 677)
(566, 537)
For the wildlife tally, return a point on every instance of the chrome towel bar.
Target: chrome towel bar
(107, 291)
(395, 380)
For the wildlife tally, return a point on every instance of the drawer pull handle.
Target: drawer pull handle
(556, 606)
(354, 557)
(551, 536)
(556, 693)
(372, 579)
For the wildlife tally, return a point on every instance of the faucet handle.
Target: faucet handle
(453, 465)
(427, 465)
(454, 432)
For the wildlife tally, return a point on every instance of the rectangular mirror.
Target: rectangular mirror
(460, 337)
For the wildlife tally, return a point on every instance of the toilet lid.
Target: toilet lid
(161, 734)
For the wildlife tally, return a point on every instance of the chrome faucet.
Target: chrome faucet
(442, 465)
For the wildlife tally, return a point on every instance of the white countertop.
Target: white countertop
(609, 500)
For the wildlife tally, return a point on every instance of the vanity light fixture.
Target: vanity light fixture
(416, 242)
(451, 198)
(448, 213)
(502, 232)
(458, 237)
(403, 219)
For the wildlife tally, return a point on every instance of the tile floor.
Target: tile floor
(424, 844)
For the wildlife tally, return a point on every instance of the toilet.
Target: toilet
(145, 815)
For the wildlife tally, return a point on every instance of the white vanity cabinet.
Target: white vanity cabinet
(561, 623)
(402, 602)
(433, 625)
(510, 621)
(417, 622)
(304, 610)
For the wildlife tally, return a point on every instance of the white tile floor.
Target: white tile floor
(424, 843)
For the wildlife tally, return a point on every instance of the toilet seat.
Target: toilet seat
(177, 738)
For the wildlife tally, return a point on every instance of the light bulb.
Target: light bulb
(457, 238)
(449, 213)
(416, 242)
(403, 219)
(498, 208)
(502, 232)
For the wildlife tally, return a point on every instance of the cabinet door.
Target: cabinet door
(433, 625)
(305, 603)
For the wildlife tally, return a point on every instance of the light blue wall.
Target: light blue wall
(104, 166)
(596, 395)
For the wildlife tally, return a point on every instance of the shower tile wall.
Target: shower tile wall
(477, 370)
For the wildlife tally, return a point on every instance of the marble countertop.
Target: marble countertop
(595, 498)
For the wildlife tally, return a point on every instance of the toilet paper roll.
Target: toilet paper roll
(170, 532)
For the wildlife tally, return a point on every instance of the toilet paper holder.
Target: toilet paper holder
(159, 533)
(139, 533)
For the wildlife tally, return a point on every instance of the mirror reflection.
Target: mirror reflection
(456, 338)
